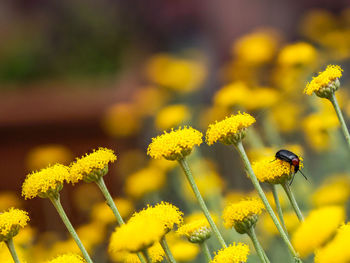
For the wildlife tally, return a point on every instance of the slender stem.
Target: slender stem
(249, 169)
(12, 249)
(257, 246)
(293, 201)
(205, 250)
(278, 207)
(101, 184)
(146, 255)
(345, 130)
(167, 251)
(202, 204)
(57, 204)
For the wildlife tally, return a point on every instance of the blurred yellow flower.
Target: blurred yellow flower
(67, 258)
(144, 181)
(174, 145)
(9, 199)
(45, 182)
(267, 226)
(93, 162)
(11, 221)
(297, 54)
(156, 253)
(234, 253)
(148, 100)
(91, 235)
(183, 250)
(317, 229)
(232, 94)
(229, 130)
(86, 196)
(337, 250)
(172, 116)
(44, 155)
(286, 116)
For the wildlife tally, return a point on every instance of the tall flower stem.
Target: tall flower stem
(249, 169)
(146, 256)
(344, 128)
(188, 173)
(57, 204)
(278, 207)
(205, 250)
(12, 249)
(101, 184)
(257, 246)
(293, 201)
(167, 251)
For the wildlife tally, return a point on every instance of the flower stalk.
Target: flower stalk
(293, 201)
(258, 248)
(188, 173)
(146, 256)
(167, 251)
(11, 247)
(278, 206)
(205, 249)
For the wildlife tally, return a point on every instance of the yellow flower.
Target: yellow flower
(67, 258)
(144, 181)
(156, 253)
(10, 223)
(44, 155)
(333, 191)
(325, 82)
(273, 170)
(171, 116)
(167, 214)
(230, 130)
(174, 145)
(317, 228)
(232, 94)
(242, 215)
(91, 165)
(268, 226)
(337, 250)
(196, 231)
(279, 115)
(9, 199)
(264, 97)
(235, 253)
(45, 182)
(91, 235)
(296, 54)
(183, 250)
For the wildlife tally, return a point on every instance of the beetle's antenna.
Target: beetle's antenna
(303, 174)
(273, 160)
(292, 180)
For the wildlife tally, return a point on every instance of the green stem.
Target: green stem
(205, 250)
(278, 207)
(146, 255)
(345, 130)
(167, 251)
(101, 184)
(242, 153)
(12, 249)
(202, 204)
(293, 201)
(110, 202)
(257, 246)
(57, 204)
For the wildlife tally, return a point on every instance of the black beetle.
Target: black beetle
(290, 158)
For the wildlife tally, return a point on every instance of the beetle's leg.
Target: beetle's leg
(292, 179)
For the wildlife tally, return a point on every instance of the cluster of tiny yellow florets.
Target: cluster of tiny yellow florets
(235, 253)
(67, 258)
(196, 231)
(11, 221)
(273, 170)
(174, 145)
(324, 78)
(239, 212)
(48, 179)
(97, 160)
(227, 130)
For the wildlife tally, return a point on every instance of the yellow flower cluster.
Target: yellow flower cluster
(46, 180)
(172, 116)
(11, 221)
(227, 130)
(97, 160)
(196, 231)
(235, 253)
(67, 258)
(336, 251)
(317, 228)
(241, 211)
(324, 78)
(300, 53)
(174, 145)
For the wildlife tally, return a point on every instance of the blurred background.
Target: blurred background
(77, 75)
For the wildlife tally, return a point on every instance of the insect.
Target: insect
(290, 158)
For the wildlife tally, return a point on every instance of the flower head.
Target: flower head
(68, 258)
(235, 253)
(326, 83)
(242, 215)
(196, 231)
(274, 171)
(300, 53)
(174, 145)
(230, 130)
(91, 166)
(183, 250)
(11, 221)
(45, 183)
(173, 115)
(317, 228)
